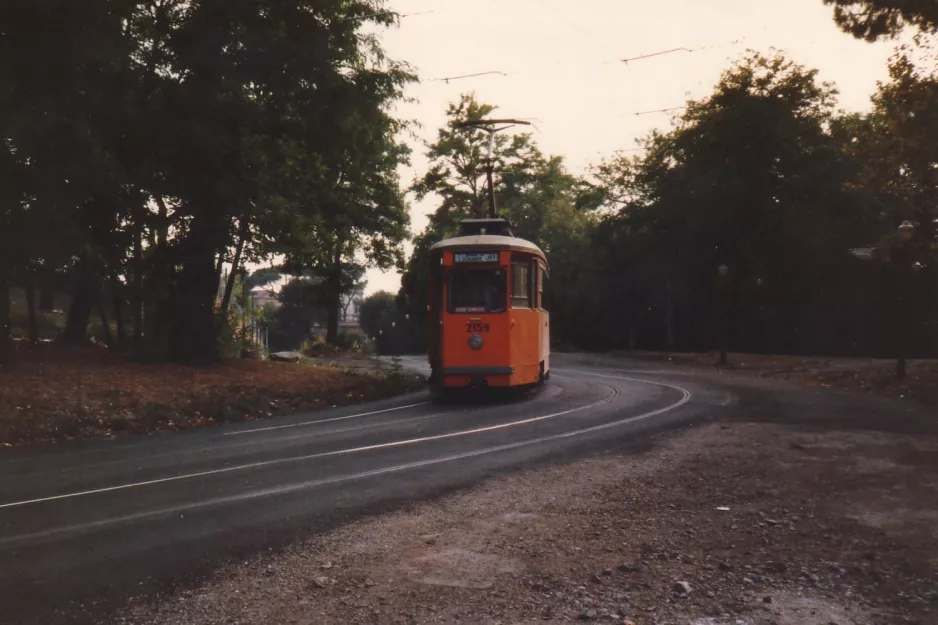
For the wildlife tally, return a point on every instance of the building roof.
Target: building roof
(489, 241)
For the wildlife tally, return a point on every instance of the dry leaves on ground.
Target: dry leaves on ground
(58, 395)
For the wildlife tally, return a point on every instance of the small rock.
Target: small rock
(607, 572)
(322, 582)
(587, 615)
(629, 567)
(726, 566)
(327, 565)
(766, 599)
(682, 588)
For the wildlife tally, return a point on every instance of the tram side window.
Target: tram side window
(520, 285)
(477, 291)
(540, 287)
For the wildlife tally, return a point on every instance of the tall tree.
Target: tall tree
(529, 188)
(458, 165)
(751, 178)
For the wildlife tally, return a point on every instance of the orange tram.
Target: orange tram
(487, 322)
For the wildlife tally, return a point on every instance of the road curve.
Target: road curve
(84, 525)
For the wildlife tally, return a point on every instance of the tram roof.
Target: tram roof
(489, 241)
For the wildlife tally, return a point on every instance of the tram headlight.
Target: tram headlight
(475, 341)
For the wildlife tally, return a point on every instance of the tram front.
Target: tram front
(487, 326)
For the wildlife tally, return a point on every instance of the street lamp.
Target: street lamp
(906, 234)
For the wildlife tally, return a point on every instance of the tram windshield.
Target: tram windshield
(477, 291)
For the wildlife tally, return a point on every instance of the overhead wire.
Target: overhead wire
(682, 49)
(383, 14)
(447, 79)
(667, 110)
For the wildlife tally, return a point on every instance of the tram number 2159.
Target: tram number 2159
(472, 327)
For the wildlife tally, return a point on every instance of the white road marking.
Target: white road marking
(308, 423)
(267, 463)
(686, 397)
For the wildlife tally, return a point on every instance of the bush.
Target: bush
(347, 341)
(313, 346)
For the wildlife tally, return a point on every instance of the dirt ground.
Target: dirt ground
(55, 394)
(736, 524)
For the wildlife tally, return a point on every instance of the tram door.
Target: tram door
(435, 320)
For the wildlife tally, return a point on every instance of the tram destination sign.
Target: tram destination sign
(475, 257)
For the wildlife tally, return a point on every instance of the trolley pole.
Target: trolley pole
(490, 173)
(490, 126)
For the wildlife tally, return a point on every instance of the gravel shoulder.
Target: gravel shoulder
(739, 523)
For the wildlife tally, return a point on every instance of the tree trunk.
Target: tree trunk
(194, 331)
(136, 292)
(219, 266)
(335, 286)
(118, 314)
(31, 307)
(243, 231)
(6, 337)
(162, 229)
(105, 325)
(79, 313)
(46, 298)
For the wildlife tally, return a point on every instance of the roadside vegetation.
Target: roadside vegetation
(58, 394)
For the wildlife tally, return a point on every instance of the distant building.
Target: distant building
(265, 294)
(350, 306)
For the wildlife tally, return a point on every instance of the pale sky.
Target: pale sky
(562, 61)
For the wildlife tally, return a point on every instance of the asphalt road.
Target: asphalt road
(84, 526)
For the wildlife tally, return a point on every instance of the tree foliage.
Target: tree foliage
(378, 311)
(155, 141)
(884, 19)
(750, 177)
(535, 192)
